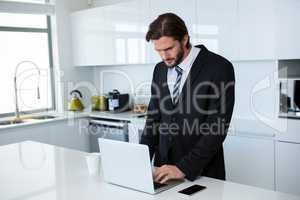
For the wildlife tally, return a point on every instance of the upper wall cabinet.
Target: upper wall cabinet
(216, 26)
(235, 29)
(256, 30)
(287, 29)
(111, 35)
(269, 29)
(87, 41)
(181, 8)
(212, 23)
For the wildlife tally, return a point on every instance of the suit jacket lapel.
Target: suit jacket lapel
(194, 72)
(192, 76)
(166, 91)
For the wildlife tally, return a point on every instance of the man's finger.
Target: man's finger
(165, 179)
(160, 176)
(159, 170)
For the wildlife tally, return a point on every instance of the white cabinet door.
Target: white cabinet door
(287, 29)
(88, 44)
(250, 161)
(256, 30)
(70, 133)
(216, 26)
(287, 167)
(111, 35)
(36, 133)
(127, 24)
(184, 9)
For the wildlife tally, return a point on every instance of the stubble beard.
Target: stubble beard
(178, 60)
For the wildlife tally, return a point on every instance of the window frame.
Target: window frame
(50, 50)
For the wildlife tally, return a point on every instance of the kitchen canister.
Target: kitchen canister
(99, 103)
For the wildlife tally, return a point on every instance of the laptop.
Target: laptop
(128, 165)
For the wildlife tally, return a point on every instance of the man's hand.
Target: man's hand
(167, 172)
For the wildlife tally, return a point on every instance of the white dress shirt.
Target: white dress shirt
(186, 66)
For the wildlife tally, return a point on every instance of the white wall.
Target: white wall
(133, 79)
(124, 78)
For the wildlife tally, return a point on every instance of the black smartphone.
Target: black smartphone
(192, 189)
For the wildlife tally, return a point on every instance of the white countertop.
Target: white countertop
(125, 116)
(31, 170)
(129, 115)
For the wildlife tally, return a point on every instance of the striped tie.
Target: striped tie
(177, 84)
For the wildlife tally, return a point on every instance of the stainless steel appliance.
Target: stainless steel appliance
(118, 102)
(106, 128)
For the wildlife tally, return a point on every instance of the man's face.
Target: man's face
(170, 50)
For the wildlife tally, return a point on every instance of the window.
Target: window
(25, 41)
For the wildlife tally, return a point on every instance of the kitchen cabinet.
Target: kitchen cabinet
(238, 30)
(256, 30)
(248, 30)
(19, 134)
(111, 35)
(187, 11)
(250, 160)
(70, 133)
(287, 29)
(88, 45)
(216, 26)
(287, 167)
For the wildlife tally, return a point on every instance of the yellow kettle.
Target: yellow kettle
(75, 103)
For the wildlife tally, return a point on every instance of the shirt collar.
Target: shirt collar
(188, 60)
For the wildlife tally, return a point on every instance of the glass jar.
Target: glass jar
(141, 101)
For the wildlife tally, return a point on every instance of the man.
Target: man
(192, 98)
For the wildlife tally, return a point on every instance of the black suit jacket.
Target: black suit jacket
(190, 134)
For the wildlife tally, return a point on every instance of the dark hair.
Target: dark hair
(168, 24)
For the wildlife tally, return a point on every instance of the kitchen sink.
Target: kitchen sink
(26, 119)
(43, 117)
(10, 122)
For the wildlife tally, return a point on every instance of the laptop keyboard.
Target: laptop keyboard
(158, 185)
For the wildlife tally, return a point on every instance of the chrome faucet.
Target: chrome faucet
(17, 112)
